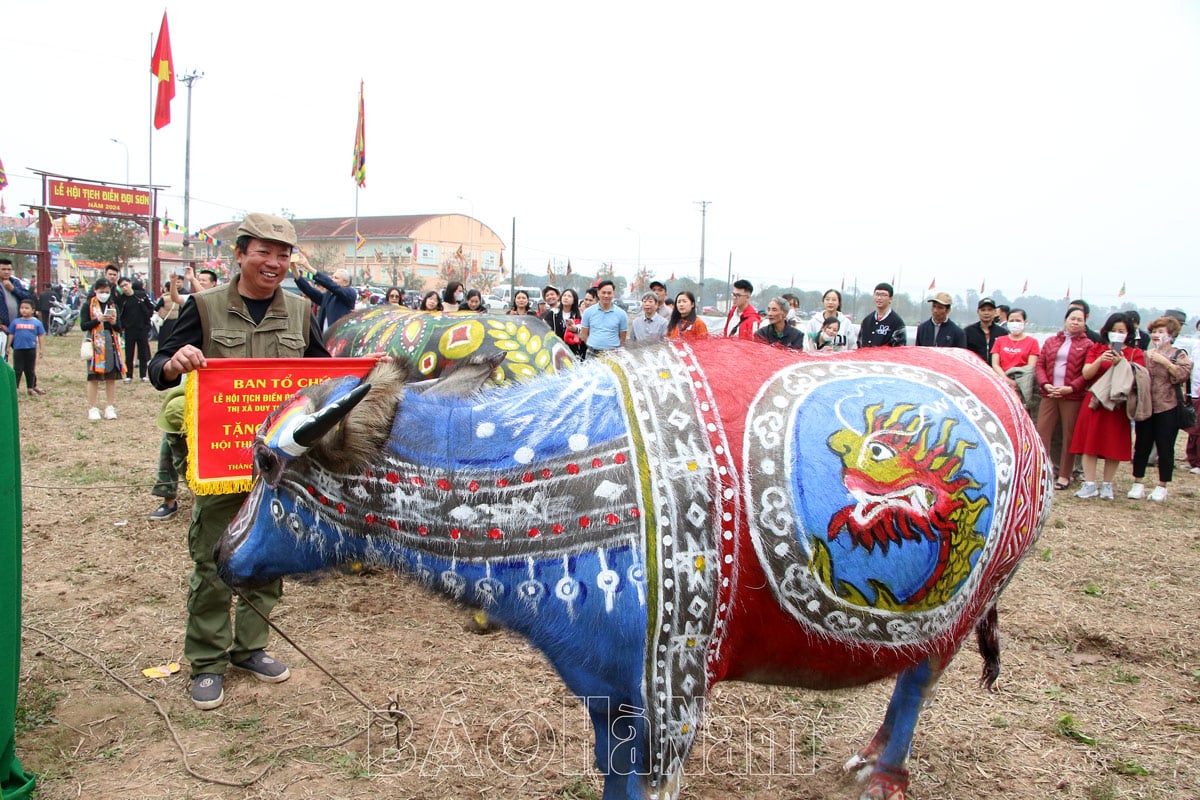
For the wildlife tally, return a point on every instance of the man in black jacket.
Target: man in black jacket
(982, 334)
(939, 330)
(884, 328)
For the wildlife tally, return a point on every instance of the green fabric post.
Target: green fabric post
(14, 783)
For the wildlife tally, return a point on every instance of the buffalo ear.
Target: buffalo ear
(364, 431)
(467, 377)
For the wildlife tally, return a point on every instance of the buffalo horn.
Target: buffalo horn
(310, 431)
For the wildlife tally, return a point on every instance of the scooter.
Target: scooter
(63, 318)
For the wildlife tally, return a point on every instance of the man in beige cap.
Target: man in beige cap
(939, 330)
(257, 319)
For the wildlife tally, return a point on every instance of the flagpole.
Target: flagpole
(357, 189)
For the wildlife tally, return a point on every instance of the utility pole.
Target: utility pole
(703, 214)
(190, 78)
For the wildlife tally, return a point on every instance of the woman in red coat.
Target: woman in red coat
(1101, 432)
(1060, 379)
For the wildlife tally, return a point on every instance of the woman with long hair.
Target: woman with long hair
(1102, 432)
(572, 316)
(684, 322)
(452, 296)
(831, 306)
(101, 324)
(474, 303)
(1060, 379)
(394, 296)
(520, 306)
(431, 302)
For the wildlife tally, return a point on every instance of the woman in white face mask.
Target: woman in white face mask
(1169, 367)
(1014, 357)
(101, 324)
(1102, 430)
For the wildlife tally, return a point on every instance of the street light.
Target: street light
(639, 235)
(118, 141)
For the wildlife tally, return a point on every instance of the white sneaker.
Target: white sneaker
(1087, 491)
(129, 380)
(1195, 470)
(1106, 492)
(1136, 492)
(1159, 494)
(110, 412)
(93, 414)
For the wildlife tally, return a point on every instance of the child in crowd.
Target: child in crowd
(26, 341)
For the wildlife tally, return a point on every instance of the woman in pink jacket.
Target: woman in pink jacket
(1060, 379)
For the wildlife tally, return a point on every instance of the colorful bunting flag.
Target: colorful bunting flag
(359, 241)
(982, 285)
(568, 266)
(459, 253)
(359, 172)
(1122, 292)
(1025, 287)
(163, 68)
(3, 177)
(549, 270)
(932, 285)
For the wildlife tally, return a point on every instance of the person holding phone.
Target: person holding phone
(1101, 431)
(101, 324)
(1168, 366)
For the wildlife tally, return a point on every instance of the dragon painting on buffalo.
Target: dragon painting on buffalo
(676, 515)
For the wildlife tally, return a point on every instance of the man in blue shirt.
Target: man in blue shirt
(335, 302)
(604, 326)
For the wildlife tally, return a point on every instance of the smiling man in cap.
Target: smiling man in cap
(981, 335)
(250, 317)
(939, 330)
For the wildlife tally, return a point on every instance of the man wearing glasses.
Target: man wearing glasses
(884, 328)
(743, 319)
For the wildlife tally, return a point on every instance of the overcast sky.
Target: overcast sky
(957, 142)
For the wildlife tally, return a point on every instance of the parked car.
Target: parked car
(495, 303)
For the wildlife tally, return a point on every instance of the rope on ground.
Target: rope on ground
(273, 761)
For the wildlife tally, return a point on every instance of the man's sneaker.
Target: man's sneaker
(207, 693)
(263, 667)
(1136, 492)
(145, 380)
(1106, 492)
(129, 380)
(94, 414)
(1159, 494)
(1195, 470)
(1087, 491)
(110, 412)
(164, 512)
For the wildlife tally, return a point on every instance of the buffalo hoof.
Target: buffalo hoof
(886, 785)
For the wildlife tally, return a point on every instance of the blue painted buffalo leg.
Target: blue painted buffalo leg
(620, 740)
(889, 748)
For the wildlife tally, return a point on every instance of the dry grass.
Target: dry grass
(1098, 699)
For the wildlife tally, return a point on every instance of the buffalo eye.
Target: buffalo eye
(267, 465)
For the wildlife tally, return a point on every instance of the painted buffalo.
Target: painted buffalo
(673, 516)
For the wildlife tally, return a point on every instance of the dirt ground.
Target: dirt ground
(1099, 697)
